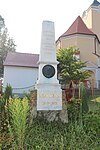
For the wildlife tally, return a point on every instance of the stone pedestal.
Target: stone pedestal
(49, 97)
(49, 93)
(52, 115)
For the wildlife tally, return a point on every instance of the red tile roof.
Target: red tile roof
(78, 27)
(22, 60)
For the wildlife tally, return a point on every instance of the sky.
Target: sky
(24, 18)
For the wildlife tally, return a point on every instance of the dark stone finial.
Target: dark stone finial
(95, 3)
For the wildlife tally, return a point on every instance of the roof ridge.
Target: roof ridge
(78, 23)
(23, 53)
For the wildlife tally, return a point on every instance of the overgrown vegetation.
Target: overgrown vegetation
(59, 136)
(84, 98)
(8, 92)
(70, 67)
(7, 44)
(18, 112)
(82, 132)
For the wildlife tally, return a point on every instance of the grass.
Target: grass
(94, 103)
(96, 100)
(43, 135)
(58, 136)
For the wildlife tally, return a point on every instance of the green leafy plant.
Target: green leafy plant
(70, 67)
(5, 139)
(59, 136)
(74, 110)
(18, 123)
(41, 134)
(84, 97)
(8, 92)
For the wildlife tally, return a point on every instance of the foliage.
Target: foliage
(92, 121)
(18, 123)
(6, 43)
(5, 140)
(47, 135)
(70, 67)
(74, 108)
(27, 95)
(77, 107)
(56, 135)
(8, 92)
(84, 97)
(2, 113)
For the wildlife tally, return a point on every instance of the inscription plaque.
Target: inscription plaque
(48, 71)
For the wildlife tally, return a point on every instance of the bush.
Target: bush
(13, 123)
(5, 139)
(84, 97)
(74, 110)
(18, 124)
(8, 92)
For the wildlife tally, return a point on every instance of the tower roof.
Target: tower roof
(95, 3)
(78, 27)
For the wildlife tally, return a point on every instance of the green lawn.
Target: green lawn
(94, 104)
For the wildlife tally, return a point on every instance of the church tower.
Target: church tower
(91, 17)
(84, 33)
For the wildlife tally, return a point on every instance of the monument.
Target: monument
(49, 93)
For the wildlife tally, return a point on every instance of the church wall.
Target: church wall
(96, 22)
(86, 46)
(87, 18)
(91, 18)
(58, 44)
(68, 41)
(98, 48)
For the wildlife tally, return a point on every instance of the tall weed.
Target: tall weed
(18, 123)
(84, 97)
(5, 139)
(8, 92)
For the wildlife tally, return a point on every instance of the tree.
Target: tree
(6, 43)
(70, 67)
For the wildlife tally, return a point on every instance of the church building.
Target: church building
(84, 34)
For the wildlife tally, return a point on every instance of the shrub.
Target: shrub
(8, 92)
(5, 139)
(84, 97)
(18, 123)
(74, 110)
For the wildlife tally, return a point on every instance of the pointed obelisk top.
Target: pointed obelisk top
(48, 47)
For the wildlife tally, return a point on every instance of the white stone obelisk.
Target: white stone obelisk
(49, 93)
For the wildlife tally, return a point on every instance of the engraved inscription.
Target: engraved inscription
(49, 95)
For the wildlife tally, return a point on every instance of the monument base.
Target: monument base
(49, 115)
(49, 97)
